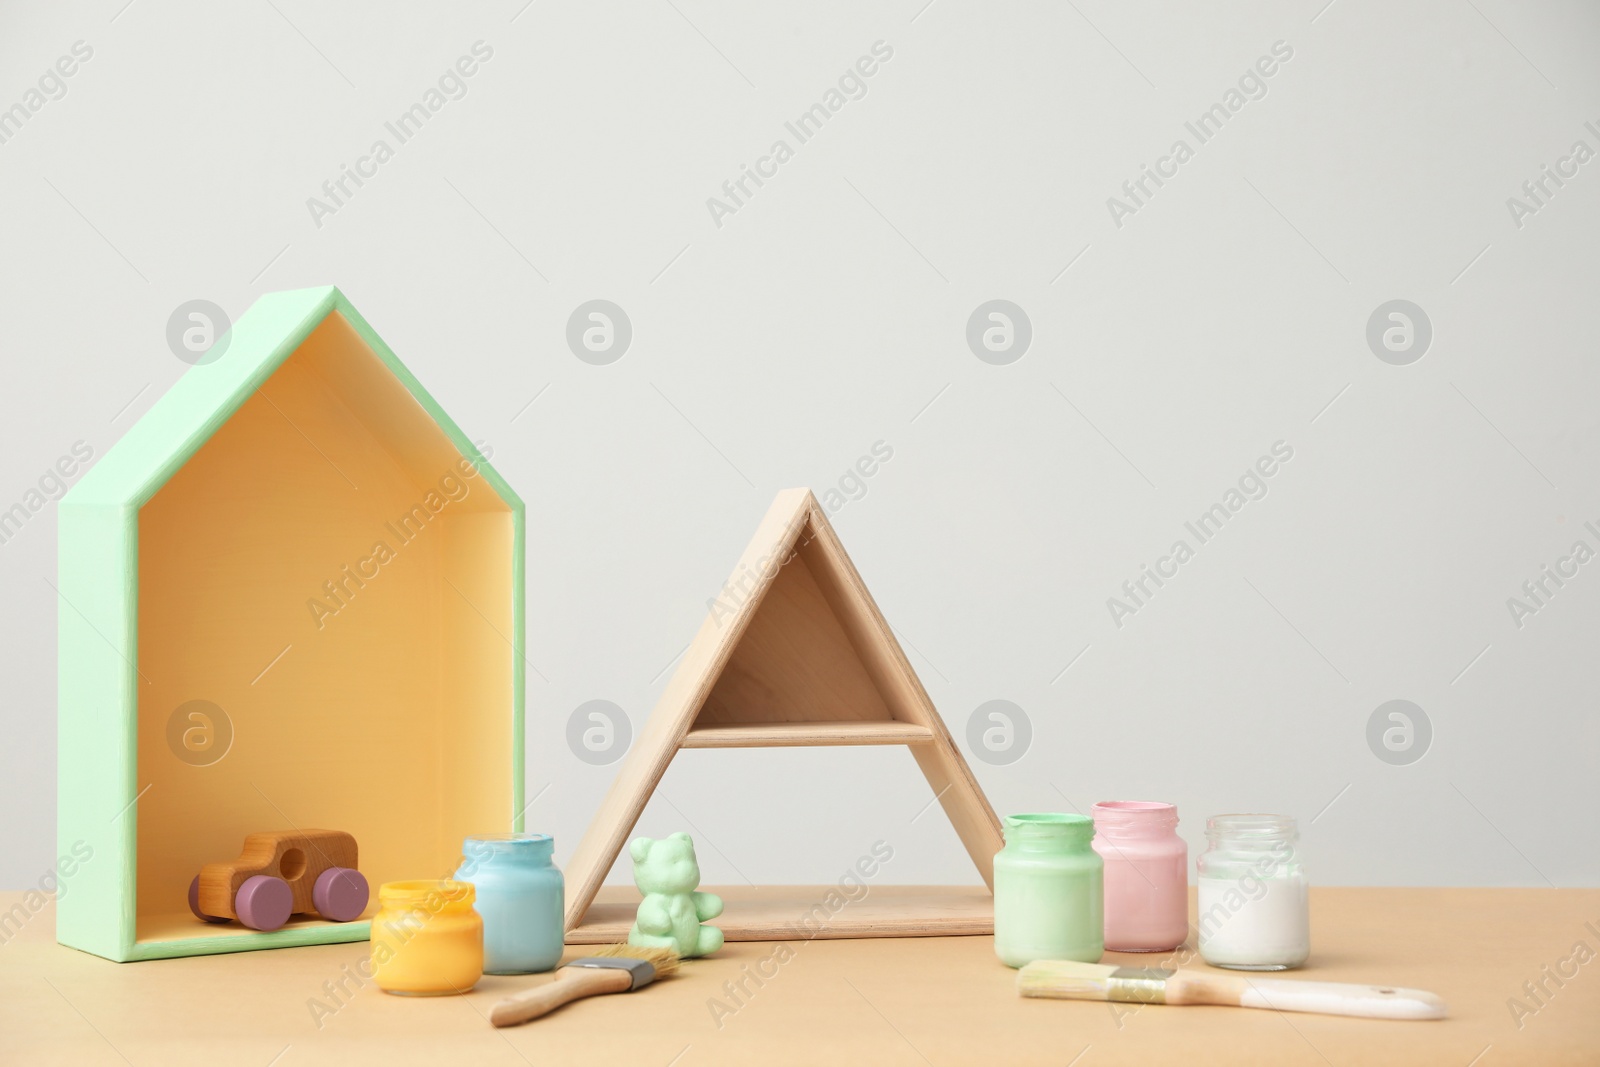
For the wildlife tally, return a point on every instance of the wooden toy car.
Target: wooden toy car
(282, 873)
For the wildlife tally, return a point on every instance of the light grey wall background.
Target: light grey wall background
(1227, 312)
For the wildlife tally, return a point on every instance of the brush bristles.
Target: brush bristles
(1065, 980)
(664, 960)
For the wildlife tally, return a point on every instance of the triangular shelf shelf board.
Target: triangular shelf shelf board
(793, 652)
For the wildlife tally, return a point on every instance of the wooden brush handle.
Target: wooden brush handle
(571, 983)
(1323, 998)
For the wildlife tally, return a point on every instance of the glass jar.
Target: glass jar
(1048, 891)
(1254, 910)
(1146, 876)
(520, 896)
(426, 939)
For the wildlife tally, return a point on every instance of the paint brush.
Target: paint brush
(613, 969)
(1069, 980)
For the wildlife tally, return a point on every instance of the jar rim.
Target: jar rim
(1046, 822)
(1137, 807)
(1135, 817)
(1251, 825)
(449, 892)
(514, 838)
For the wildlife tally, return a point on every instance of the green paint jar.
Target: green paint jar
(1048, 891)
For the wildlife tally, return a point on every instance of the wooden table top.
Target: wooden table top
(907, 1001)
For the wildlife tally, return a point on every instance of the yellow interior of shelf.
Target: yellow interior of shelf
(331, 574)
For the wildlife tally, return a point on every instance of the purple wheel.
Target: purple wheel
(340, 894)
(263, 902)
(194, 903)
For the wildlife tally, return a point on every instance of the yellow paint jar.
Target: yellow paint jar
(427, 940)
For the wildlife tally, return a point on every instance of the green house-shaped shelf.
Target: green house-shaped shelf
(290, 598)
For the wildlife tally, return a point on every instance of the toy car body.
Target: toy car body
(282, 873)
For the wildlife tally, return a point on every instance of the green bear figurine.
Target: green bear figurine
(670, 914)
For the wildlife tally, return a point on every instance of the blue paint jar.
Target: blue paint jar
(521, 896)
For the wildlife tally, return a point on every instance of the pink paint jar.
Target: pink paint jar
(1146, 876)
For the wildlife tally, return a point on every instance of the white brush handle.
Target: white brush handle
(1342, 998)
(1068, 980)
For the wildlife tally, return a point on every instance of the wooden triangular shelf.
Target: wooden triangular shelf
(794, 652)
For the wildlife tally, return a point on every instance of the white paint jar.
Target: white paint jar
(1254, 911)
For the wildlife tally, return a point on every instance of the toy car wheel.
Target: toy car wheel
(340, 894)
(194, 903)
(263, 902)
